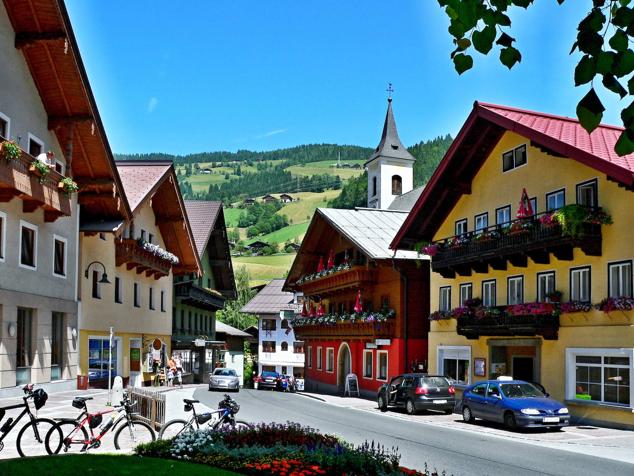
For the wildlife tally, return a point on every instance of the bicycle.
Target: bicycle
(69, 432)
(227, 409)
(31, 437)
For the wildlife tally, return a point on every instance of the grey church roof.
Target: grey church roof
(406, 201)
(390, 145)
(271, 300)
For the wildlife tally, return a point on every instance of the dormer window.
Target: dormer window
(397, 185)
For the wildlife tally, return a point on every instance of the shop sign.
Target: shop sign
(199, 342)
(370, 345)
(382, 341)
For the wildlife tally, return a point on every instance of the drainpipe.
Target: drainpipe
(405, 317)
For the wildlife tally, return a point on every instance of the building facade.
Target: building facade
(528, 219)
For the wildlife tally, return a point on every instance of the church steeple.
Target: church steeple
(390, 167)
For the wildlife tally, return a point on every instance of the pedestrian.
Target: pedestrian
(178, 363)
(170, 376)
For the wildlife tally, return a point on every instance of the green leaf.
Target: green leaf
(462, 62)
(624, 145)
(502, 19)
(598, 3)
(590, 111)
(610, 82)
(623, 17)
(593, 22)
(627, 116)
(463, 43)
(522, 3)
(483, 40)
(505, 40)
(456, 29)
(619, 41)
(605, 60)
(630, 86)
(585, 70)
(624, 63)
(509, 56)
(589, 42)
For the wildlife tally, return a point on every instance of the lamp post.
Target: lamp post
(104, 276)
(110, 366)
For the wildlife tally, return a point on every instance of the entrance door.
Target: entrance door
(344, 366)
(523, 369)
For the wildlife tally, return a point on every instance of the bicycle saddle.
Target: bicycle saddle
(187, 400)
(83, 399)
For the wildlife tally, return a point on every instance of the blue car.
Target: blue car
(515, 403)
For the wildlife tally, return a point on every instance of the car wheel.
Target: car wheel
(467, 416)
(509, 421)
(381, 403)
(410, 408)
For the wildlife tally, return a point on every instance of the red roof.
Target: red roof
(484, 127)
(139, 179)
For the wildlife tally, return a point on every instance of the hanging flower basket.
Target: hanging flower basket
(68, 185)
(39, 169)
(9, 150)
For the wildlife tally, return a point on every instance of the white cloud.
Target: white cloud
(152, 103)
(271, 133)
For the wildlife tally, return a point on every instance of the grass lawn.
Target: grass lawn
(72, 465)
(303, 209)
(264, 268)
(325, 167)
(288, 233)
(231, 216)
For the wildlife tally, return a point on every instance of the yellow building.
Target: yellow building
(138, 258)
(536, 285)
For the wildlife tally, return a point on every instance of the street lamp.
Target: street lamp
(104, 276)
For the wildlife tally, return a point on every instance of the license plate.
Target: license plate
(551, 419)
(440, 402)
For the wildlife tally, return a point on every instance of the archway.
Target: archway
(344, 365)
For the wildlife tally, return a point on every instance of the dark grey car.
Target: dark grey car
(416, 392)
(224, 379)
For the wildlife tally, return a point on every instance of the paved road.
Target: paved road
(458, 452)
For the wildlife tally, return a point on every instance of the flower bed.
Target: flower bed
(333, 319)
(616, 304)
(280, 449)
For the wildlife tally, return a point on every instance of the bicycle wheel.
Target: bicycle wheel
(242, 425)
(129, 435)
(66, 436)
(30, 441)
(173, 428)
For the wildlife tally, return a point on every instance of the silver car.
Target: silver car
(224, 379)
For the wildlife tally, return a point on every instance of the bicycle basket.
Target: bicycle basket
(189, 407)
(203, 418)
(78, 403)
(95, 421)
(39, 398)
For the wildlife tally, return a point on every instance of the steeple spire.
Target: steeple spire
(390, 144)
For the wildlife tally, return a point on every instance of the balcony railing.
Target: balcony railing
(130, 253)
(36, 192)
(531, 237)
(197, 296)
(503, 324)
(347, 330)
(355, 277)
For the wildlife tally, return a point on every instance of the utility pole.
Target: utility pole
(110, 366)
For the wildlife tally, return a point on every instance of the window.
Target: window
(117, 290)
(150, 238)
(96, 289)
(151, 298)
(330, 359)
(580, 284)
(98, 357)
(36, 146)
(131, 231)
(298, 347)
(480, 389)
(269, 324)
(545, 285)
(59, 168)
(3, 234)
(620, 279)
(374, 188)
(461, 227)
(142, 234)
(555, 200)
(453, 362)
(515, 290)
(190, 323)
(489, 293)
(481, 221)
(397, 185)
(309, 357)
(268, 346)
(57, 345)
(59, 256)
(600, 375)
(137, 297)
(514, 158)
(367, 364)
(28, 245)
(182, 326)
(284, 346)
(466, 293)
(24, 346)
(381, 366)
(503, 215)
(4, 126)
(445, 298)
(533, 204)
(587, 194)
(162, 301)
(493, 390)
(209, 286)
(283, 324)
(319, 358)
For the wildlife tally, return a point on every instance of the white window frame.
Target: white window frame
(519, 278)
(541, 296)
(31, 137)
(505, 208)
(379, 353)
(441, 291)
(487, 283)
(62, 167)
(365, 352)
(463, 299)
(65, 241)
(581, 269)
(3, 237)
(309, 360)
(8, 120)
(330, 351)
(594, 184)
(555, 193)
(320, 361)
(460, 223)
(571, 372)
(35, 228)
(454, 352)
(621, 264)
(479, 218)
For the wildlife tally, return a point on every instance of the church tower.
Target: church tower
(391, 166)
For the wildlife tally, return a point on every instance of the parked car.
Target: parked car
(267, 379)
(224, 379)
(416, 392)
(514, 403)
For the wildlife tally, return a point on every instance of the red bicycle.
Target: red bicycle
(70, 433)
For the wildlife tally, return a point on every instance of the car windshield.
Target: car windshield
(434, 381)
(520, 390)
(225, 372)
(269, 374)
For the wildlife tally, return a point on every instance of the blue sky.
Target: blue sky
(182, 77)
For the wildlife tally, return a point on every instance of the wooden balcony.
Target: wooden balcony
(347, 330)
(473, 327)
(497, 246)
(197, 296)
(353, 278)
(34, 191)
(130, 253)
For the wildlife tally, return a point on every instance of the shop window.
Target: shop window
(98, 358)
(453, 363)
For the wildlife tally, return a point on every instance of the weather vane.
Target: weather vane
(389, 90)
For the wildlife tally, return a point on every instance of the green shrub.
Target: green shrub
(155, 449)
